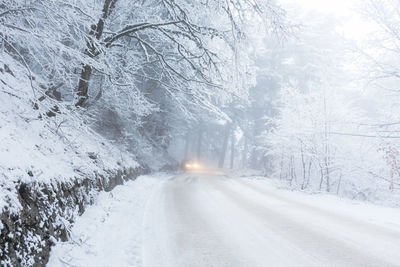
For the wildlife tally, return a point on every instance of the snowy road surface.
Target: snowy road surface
(213, 220)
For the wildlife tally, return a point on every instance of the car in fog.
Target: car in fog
(191, 165)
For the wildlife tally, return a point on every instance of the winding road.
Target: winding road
(199, 219)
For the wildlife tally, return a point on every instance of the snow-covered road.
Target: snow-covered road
(205, 220)
(213, 220)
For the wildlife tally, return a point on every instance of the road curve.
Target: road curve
(214, 220)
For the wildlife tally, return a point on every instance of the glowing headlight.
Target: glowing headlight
(187, 165)
(196, 165)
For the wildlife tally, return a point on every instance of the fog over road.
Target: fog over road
(214, 220)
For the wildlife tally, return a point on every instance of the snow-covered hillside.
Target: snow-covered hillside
(36, 147)
(45, 145)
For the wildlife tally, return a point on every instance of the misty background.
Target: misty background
(303, 91)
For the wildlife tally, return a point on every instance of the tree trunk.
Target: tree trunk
(83, 85)
(224, 145)
(281, 167)
(322, 177)
(186, 145)
(338, 187)
(232, 149)
(254, 164)
(199, 142)
(2, 44)
(96, 32)
(328, 185)
(293, 175)
(303, 163)
(244, 155)
(327, 151)
(309, 173)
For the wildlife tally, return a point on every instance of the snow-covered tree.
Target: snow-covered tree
(145, 61)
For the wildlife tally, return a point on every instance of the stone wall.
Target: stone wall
(48, 210)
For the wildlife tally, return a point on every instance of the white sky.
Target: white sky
(353, 25)
(342, 7)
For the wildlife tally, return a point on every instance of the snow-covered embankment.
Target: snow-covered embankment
(52, 165)
(110, 233)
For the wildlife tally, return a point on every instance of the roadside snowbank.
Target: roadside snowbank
(109, 233)
(381, 214)
(379, 194)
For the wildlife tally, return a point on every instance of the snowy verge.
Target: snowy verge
(109, 233)
(382, 214)
(379, 195)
